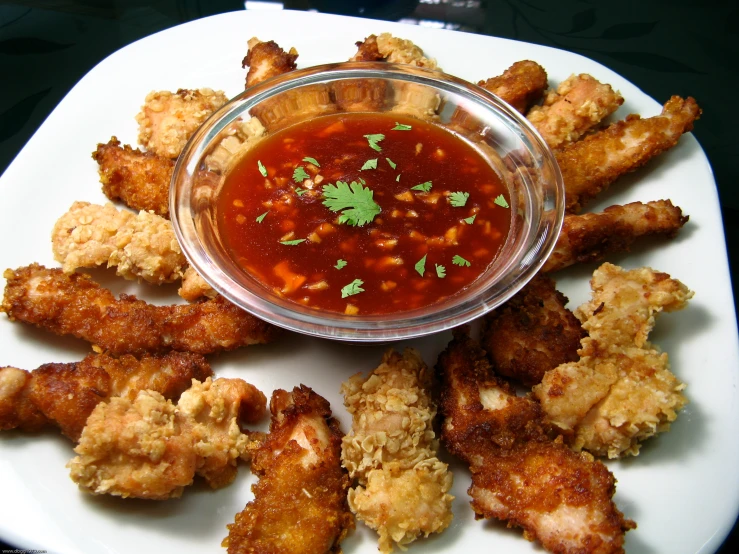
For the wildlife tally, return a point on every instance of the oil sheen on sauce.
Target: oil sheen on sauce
(419, 213)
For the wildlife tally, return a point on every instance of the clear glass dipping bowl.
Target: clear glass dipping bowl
(524, 161)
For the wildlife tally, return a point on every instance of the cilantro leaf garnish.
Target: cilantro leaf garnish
(460, 261)
(340, 264)
(369, 164)
(292, 242)
(311, 161)
(356, 201)
(401, 127)
(355, 287)
(440, 271)
(397, 178)
(470, 219)
(260, 218)
(458, 199)
(391, 163)
(501, 201)
(300, 175)
(262, 169)
(421, 265)
(423, 187)
(373, 140)
(299, 191)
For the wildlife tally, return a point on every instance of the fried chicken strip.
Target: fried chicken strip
(148, 448)
(299, 501)
(64, 395)
(403, 488)
(592, 164)
(560, 498)
(591, 237)
(621, 390)
(267, 59)
(138, 179)
(532, 333)
(387, 48)
(579, 104)
(76, 305)
(521, 85)
(168, 119)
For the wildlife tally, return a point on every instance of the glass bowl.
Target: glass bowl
(518, 154)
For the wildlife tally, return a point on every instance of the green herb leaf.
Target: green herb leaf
(440, 271)
(292, 242)
(397, 179)
(355, 287)
(501, 201)
(373, 140)
(356, 201)
(369, 164)
(262, 169)
(421, 265)
(260, 218)
(423, 187)
(340, 264)
(311, 161)
(470, 220)
(299, 191)
(299, 175)
(458, 199)
(460, 261)
(401, 127)
(392, 163)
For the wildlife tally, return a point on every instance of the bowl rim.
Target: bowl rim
(358, 328)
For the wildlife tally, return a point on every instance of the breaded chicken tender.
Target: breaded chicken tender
(148, 448)
(621, 391)
(403, 488)
(267, 59)
(521, 85)
(138, 179)
(385, 47)
(532, 333)
(64, 395)
(168, 119)
(140, 246)
(579, 104)
(592, 237)
(299, 504)
(194, 287)
(589, 166)
(559, 498)
(76, 305)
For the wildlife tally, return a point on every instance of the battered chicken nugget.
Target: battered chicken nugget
(65, 394)
(593, 236)
(403, 488)
(521, 85)
(299, 504)
(138, 179)
(589, 166)
(267, 59)
(532, 333)
(142, 246)
(76, 305)
(385, 47)
(579, 104)
(167, 120)
(621, 391)
(194, 287)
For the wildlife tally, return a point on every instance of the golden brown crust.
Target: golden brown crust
(267, 59)
(17, 410)
(521, 85)
(76, 305)
(532, 333)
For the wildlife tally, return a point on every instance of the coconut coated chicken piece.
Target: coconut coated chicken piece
(168, 119)
(592, 164)
(579, 104)
(387, 48)
(267, 59)
(64, 395)
(593, 236)
(560, 498)
(621, 391)
(138, 179)
(521, 85)
(76, 305)
(402, 488)
(299, 504)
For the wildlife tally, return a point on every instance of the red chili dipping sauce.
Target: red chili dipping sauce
(364, 213)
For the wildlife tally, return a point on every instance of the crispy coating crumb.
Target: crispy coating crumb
(267, 59)
(579, 103)
(402, 487)
(532, 333)
(167, 120)
(142, 246)
(621, 390)
(139, 179)
(521, 85)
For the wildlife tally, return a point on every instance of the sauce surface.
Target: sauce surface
(364, 213)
